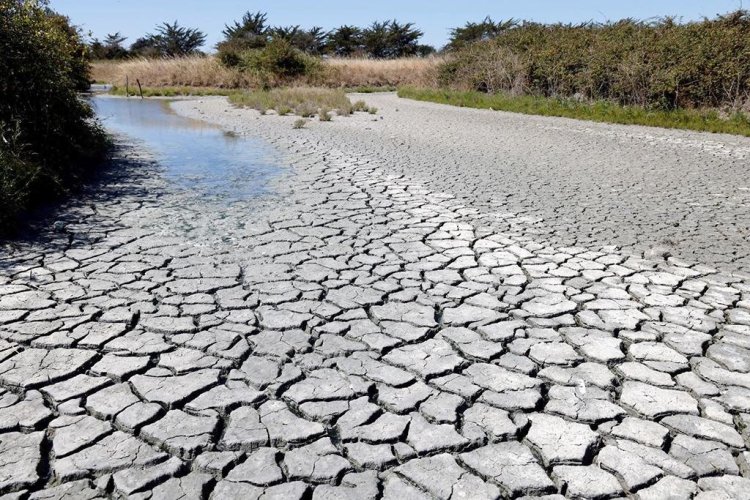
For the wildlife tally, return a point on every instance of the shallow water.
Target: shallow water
(195, 156)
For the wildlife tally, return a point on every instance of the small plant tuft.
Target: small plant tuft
(324, 115)
(283, 110)
(359, 106)
(299, 123)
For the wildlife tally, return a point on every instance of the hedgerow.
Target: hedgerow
(661, 64)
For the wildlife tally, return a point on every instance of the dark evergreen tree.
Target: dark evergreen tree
(476, 32)
(345, 41)
(170, 40)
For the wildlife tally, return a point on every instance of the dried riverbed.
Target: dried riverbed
(352, 332)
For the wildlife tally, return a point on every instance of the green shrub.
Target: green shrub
(49, 137)
(279, 62)
(659, 64)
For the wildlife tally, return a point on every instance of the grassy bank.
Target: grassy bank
(208, 72)
(186, 91)
(133, 91)
(601, 111)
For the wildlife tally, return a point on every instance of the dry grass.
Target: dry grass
(302, 101)
(380, 72)
(208, 72)
(176, 72)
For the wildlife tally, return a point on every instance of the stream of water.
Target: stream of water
(194, 155)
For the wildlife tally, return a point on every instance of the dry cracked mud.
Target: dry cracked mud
(356, 335)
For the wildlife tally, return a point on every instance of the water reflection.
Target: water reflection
(195, 156)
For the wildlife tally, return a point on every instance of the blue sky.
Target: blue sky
(133, 18)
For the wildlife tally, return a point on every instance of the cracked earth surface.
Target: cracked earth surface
(571, 182)
(356, 335)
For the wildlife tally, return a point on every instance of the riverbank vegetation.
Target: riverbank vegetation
(48, 136)
(304, 102)
(187, 91)
(693, 75)
(660, 73)
(705, 120)
(255, 54)
(199, 71)
(388, 39)
(657, 65)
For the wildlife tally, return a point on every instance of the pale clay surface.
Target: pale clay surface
(361, 334)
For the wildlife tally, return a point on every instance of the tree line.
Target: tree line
(381, 39)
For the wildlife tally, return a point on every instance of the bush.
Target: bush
(279, 62)
(661, 65)
(48, 135)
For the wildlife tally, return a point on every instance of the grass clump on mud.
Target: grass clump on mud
(49, 137)
(598, 111)
(301, 101)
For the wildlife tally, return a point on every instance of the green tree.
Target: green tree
(472, 32)
(403, 39)
(375, 39)
(312, 41)
(170, 40)
(250, 32)
(390, 39)
(345, 41)
(111, 48)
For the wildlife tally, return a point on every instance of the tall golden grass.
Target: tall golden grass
(172, 72)
(209, 72)
(414, 71)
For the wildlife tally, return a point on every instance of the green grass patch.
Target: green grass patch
(599, 111)
(170, 91)
(369, 89)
